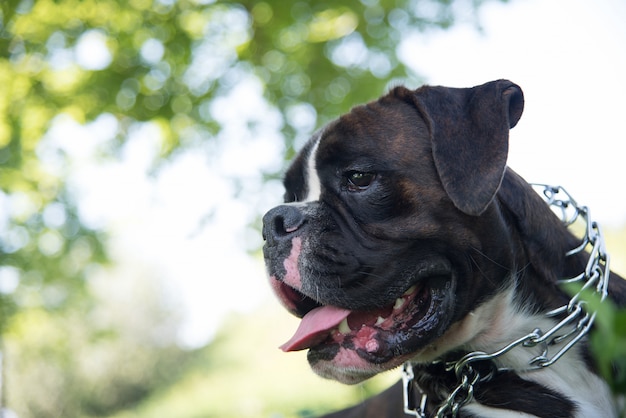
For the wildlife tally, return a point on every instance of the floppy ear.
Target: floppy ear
(469, 130)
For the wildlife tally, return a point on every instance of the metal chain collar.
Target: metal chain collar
(568, 331)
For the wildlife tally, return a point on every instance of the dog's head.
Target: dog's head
(390, 234)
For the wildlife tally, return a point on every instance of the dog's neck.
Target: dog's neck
(561, 322)
(544, 244)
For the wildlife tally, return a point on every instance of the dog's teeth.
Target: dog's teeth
(399, 303)
(380, 320)
(344, 328)
(410, 290)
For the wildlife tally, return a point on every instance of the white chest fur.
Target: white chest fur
(497, 323)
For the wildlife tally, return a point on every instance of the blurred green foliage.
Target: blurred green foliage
(99, 354)
(609, 343)
(608, 340)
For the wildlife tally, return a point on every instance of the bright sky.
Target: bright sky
(569, 58)
(187, 229)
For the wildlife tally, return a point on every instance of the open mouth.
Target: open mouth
(380, 338)
(329, 324)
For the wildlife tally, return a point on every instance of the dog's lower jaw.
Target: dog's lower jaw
(359, 369)
(498, 322)
(347, 376)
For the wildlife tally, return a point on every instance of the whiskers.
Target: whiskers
(477, 266)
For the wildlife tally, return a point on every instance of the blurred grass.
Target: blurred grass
(242, 374)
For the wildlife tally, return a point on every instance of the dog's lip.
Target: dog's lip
(299, 303)
(292, 299)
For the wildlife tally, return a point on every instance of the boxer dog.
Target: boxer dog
(405, 239)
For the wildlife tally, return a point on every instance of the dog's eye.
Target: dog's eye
(358, 180)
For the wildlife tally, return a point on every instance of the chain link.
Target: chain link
(410, 406)
(461, 395)
(568, 331)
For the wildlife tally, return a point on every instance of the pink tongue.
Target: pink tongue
(314, 327)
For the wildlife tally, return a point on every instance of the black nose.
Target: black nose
(281, 222)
